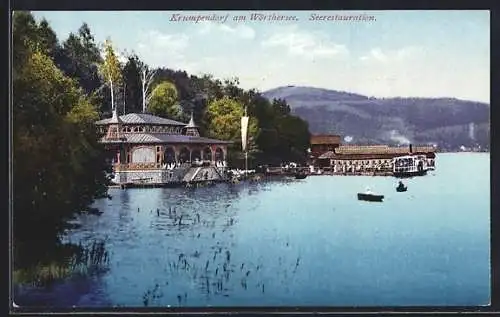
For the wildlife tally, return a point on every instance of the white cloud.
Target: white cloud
(295, 57)
(171, 42)
(301, 43)
(384, 56)
(165, 50)
(240, 31)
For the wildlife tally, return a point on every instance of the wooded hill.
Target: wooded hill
(447, 122)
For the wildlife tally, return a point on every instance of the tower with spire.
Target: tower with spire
(114, 127)
(191, 128)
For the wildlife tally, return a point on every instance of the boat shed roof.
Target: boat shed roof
(366, 156)
(325, 139)
(383, 149)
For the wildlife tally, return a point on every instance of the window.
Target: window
(143, 155)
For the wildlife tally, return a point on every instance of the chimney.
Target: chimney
(411, 148)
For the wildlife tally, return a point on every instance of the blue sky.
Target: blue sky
(401, 53)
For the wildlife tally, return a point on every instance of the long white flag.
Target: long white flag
(244, 129)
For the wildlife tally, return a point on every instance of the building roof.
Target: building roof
(373, 156)
(364, 156)
(166, 138)
(382, 149)
(325, 139)
(191, 123)
(141, 118)
(115, 118)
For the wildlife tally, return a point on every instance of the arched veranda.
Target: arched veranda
(184, 155)
(207, 154)
(219, 154)
(169, 155)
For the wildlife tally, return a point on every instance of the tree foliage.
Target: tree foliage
(224, 122)
(163, 101)
(111, 71)
(79, 59)
(132, 81)
(58, 164)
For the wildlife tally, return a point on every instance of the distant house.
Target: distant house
(373, 154)
(322, 143)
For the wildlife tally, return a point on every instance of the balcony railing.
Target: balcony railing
(136, 166)
(145, 166)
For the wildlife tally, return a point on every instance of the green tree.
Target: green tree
(58, 164)
(48, 40)
(80, 59)
(39, 37)
(163, 101)
(133, 84)
(294, 138)
(280, 107)
(111, 70)
(224, 122)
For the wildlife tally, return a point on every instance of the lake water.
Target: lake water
(294, 243)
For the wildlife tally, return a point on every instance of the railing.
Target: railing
(136, 166)
(143, 166)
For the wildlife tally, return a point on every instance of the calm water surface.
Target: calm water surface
(296, 242)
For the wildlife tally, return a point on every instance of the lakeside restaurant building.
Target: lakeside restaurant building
(328, 152)
(355, 158)
(144, 146)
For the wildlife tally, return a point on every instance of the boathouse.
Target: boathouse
(151, 149)
(322, 143)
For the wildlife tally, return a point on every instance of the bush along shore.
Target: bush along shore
(63, 261)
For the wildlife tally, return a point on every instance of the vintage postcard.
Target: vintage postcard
(251, 159)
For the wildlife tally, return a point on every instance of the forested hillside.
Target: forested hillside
(447, 122)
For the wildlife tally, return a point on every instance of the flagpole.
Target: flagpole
(246, 150)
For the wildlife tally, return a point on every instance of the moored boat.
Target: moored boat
(370, 197)
(401, 187)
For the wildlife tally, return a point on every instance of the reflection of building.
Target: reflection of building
(143, 146)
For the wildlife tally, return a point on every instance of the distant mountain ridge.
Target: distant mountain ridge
(447, 122)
